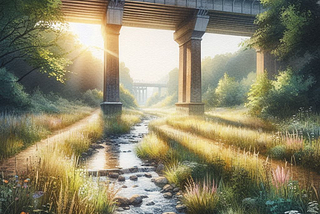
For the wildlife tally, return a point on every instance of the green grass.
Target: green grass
(151, 147)
(119, 124)
(67, 187)
(20, 131)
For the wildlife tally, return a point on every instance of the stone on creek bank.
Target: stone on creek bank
(181, 207)
(122, 201)
(169, 213)
(136, 200)
(121, 178)
(160, 181)
(167, 188)
(167, 195)
(113, 175)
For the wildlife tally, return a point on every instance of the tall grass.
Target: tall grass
(20, 131)
(118, 124)
(57, 183)
(239, 117)
(213, 153)
(241, 137)
(201, 198)
(151, 147)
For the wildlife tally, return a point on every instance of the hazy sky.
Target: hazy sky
(151, 54)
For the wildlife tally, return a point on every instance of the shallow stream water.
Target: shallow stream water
(117, 153)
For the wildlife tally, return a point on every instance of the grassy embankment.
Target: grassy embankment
(246, 184)
(18, 131)
(56, 183)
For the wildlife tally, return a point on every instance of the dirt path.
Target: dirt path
(18, 164)
(298, 173)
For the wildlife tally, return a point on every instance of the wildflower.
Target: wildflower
(26, 180)
(38, 194)
(5, 181)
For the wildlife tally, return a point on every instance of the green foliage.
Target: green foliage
(41, 103)
(229, 92)
(258, 94)
(288, 28)
(278, 152)
(127, 99)
(31, 30)
(93, 97)
(154, 99)
(173, 82)
(289, 93)
(178, 174)
(210, 97)
(125, 78)
(241, 183)
(237, 65)
(12, 94)
(281, 97)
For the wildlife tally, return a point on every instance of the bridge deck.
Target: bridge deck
(233, 17)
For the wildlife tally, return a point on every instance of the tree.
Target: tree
(173, 81)
(125, 78)
(229, 92)
(288, 28)
(31, 30)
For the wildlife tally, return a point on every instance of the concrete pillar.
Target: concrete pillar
(267, 62)
(111, 29)
(189, 35)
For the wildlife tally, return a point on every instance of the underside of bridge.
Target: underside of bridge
(190, 19)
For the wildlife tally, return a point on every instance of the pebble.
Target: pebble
(181, 207)
(133, 177)
(148, 175)
(150, 203)
(113, 175)
(167, 188)
(121, 178)
(122, 201)
(167, 195)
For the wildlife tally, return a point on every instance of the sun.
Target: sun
(90, 36)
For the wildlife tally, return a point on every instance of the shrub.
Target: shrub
(127, 98)
(12, 94)
(258, 94)
(41, 103)
(154, 99)
(178, 174)
(288, 94)
(281, 97)
(92, 97)
(278, 152)
(229, 92)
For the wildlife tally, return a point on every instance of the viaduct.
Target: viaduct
(140, 90)
(189, 19)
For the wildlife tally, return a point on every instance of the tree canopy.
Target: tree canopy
(33, 30)
(288, 28)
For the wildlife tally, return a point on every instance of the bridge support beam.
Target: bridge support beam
(111, 29)
(189, 35)
(267, 62)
